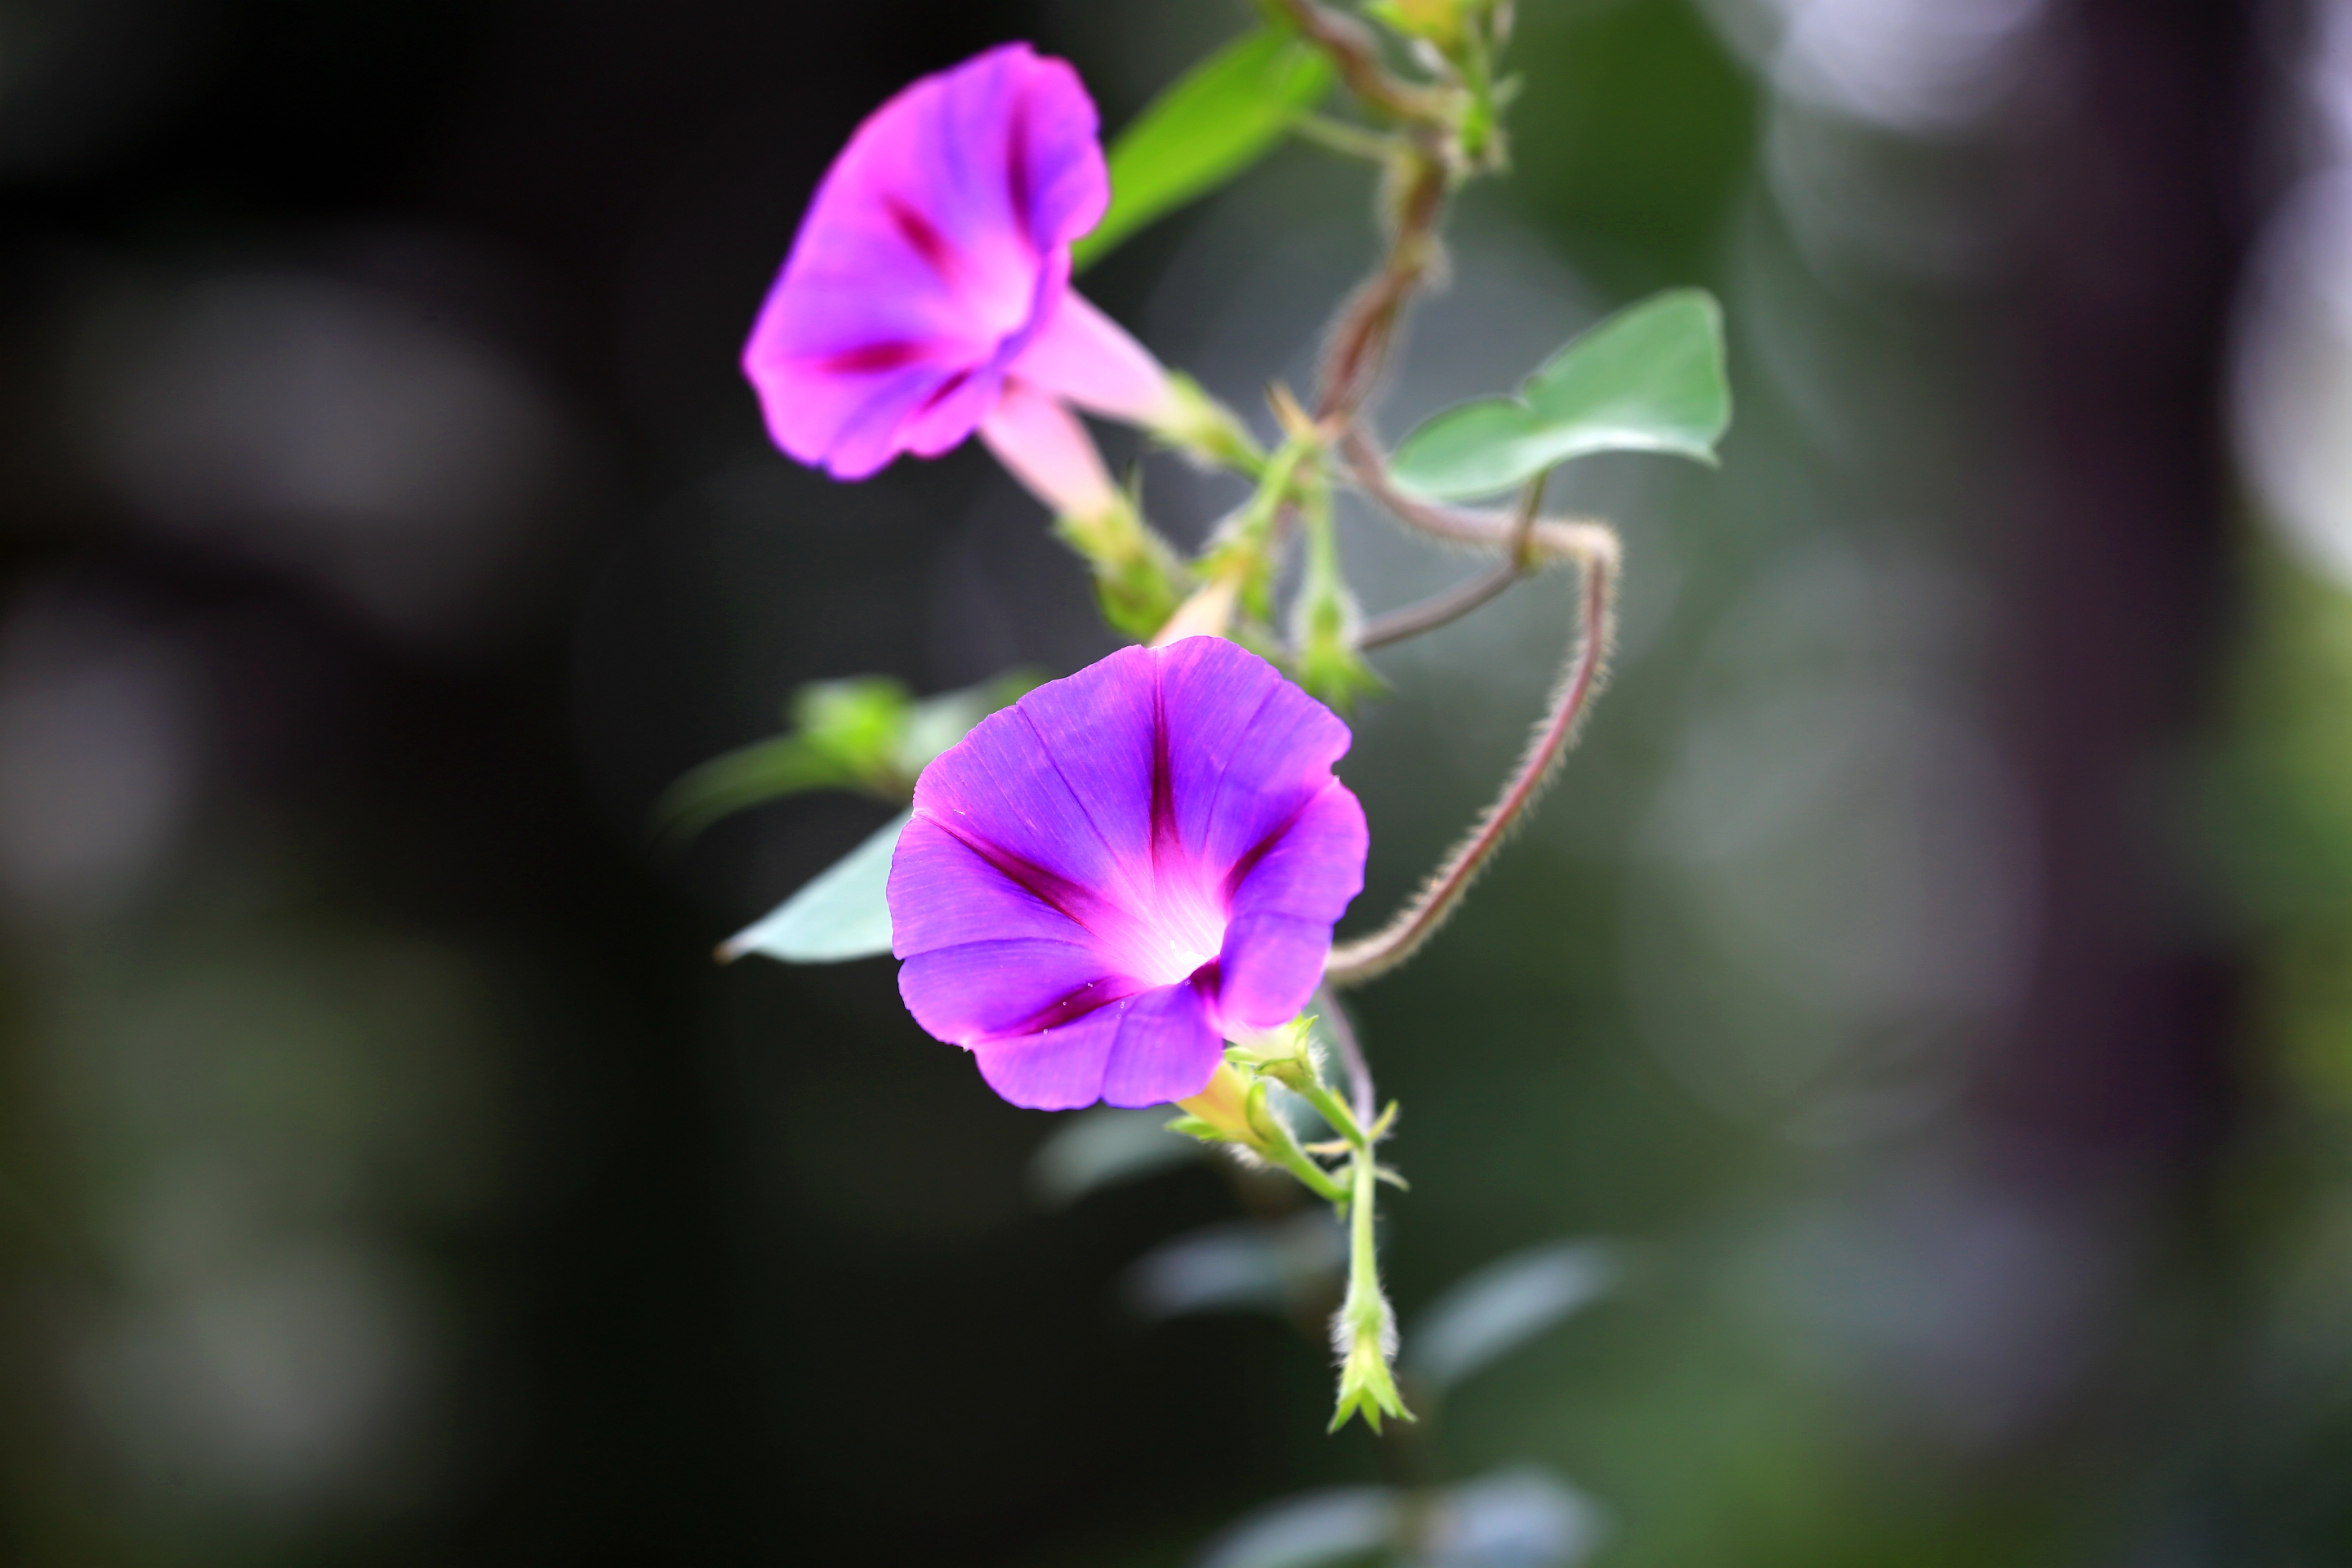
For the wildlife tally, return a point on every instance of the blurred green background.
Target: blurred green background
(1929, 980)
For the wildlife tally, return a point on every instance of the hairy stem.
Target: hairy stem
(1398, 626)
(1361, 338)
(1556, 539)
(1347, 141)
(1352, 963)
(1467, 595)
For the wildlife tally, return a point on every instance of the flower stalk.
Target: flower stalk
(1233, 1109)
(1363, 1331)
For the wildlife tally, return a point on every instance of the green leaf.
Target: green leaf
(745, 776)
(1648, 379)
(845, 913)
(1211, 123)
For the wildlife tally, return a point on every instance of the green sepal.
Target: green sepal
(1330, 668)
(1138, 582)
(1206, 430)
(1368, 1387)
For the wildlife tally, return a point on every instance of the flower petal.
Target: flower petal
(1082, 356)
(945, 893)
(1046, 447)
(980, 992)
(1061, 780)
(1270, 968)
(1166, 1048)
(1314, 867)
(1101, 878)
(1061, 1069)
(1145, 1049)
(1247, 749)
(935, 247)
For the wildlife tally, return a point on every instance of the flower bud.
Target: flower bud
(1366, 1340)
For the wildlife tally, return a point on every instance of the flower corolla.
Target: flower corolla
(1105, 880)
(927, 293)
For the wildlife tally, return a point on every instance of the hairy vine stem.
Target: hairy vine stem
(1353, 962)
(1522, 556)
(1356, 351)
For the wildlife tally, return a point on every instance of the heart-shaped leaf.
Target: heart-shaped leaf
(1211, 124)
(1648, 379)
(843, 913)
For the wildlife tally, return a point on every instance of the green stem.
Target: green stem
(1286, 1152)
(1333, 1110)
(1240, 553)
(1366, 1305)
(1349, 140)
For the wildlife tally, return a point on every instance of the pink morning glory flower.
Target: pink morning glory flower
(927, 294)
(1105, 880)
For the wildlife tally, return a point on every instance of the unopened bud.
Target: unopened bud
(1367, 1385)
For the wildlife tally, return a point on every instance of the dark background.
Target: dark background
(387, 1176)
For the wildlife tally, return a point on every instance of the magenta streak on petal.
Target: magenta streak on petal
(1114, 927)
(946, 390)
(921, 238)
(1166, 843)
(1066, 897)
(1016, 167)
(1070, 1008)
(1259, 850)
(870, 359)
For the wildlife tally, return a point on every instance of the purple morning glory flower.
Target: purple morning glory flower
(926, 295)
(1106, 879)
